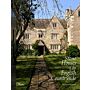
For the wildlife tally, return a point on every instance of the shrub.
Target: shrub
(27, 52)
(53, 53)
(20, 49)
(35, 47)
(73, 51)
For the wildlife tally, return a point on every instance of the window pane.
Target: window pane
(79, 13)
(51, 46)
(28, 36)
(53, 36)
(54, 24)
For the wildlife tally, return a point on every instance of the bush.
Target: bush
(27, 52)
(53, 53)
(35, 47)
(73, 51)
(20, 49)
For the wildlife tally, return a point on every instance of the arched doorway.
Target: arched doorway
(41, 48)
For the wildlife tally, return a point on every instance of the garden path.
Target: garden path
(42, 79)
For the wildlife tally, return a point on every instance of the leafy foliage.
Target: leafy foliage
(28, 52)
(20, 49)
(23, 11)
(73, 51)
(35, 47)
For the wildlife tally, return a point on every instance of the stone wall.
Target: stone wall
(73, 28)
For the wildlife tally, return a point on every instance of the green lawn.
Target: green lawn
(66, 72)
(24, 69)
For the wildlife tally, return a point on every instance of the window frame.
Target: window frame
(26, 36)
(40, 34)
(78, 13)
(54, 46)
(54, 25)
(54, 35)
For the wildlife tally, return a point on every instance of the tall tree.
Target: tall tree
(24, 13)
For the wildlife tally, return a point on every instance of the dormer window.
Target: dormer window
(54, 25)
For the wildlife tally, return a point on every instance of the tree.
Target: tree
(24, 13)
(73, 51)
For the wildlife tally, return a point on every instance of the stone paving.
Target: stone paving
(42, 79)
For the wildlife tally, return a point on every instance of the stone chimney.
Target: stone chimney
(68, 13)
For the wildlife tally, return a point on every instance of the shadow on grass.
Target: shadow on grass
(24, 72)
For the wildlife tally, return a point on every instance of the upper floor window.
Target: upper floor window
(54, 25)
(54, 36)
(26, 36)
(40, 34)
(79, 13)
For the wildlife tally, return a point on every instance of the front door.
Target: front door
(41, 50)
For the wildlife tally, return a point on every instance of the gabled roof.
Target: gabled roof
(43, 23)
(64, 23)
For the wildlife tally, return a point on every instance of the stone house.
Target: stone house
(55, 33)
(48, 32)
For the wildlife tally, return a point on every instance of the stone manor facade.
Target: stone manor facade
(52, 32)
(47, 31)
